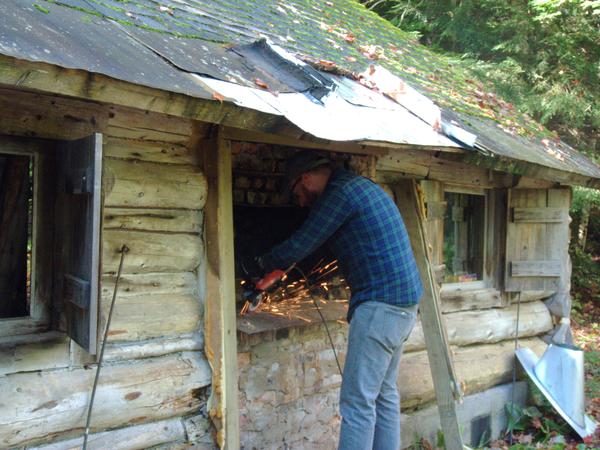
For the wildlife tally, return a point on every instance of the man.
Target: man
(365, 231)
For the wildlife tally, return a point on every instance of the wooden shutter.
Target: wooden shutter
(537, 238)
(78, 236)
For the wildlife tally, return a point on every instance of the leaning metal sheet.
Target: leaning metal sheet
(72, 39)
(340, 120)
(335, 118)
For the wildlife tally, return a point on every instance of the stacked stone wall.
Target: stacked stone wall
(289, 387)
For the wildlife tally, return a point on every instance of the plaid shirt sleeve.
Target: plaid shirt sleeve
(329, 213)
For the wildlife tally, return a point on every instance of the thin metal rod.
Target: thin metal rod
(514, 372)
(328, 334)
(308, 287)
(124, 249)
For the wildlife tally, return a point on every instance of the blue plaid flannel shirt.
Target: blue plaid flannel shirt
(366, 233)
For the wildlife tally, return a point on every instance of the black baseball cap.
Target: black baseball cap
(301, 162)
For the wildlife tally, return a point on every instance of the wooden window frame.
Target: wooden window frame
(485, 281)
(39, 318)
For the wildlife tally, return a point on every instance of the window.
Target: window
(50, 205)
(16, 239)
(464, 232)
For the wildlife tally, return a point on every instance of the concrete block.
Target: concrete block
(426, 422)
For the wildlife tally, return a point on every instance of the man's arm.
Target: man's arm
(328, 214)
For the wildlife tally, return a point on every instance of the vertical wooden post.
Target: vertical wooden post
(219, 308)
(445, 382)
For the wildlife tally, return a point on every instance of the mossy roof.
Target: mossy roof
(343, 35)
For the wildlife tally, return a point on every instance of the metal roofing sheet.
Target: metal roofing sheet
(71, 39)
(500, 141)
(334, 118)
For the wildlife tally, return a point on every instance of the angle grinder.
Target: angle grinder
(254, 292)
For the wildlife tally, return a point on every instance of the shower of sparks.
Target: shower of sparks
(292, 299)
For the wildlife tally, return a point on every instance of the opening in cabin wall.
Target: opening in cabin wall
(265, 215)
(16, 243)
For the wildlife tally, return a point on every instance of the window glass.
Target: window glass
(463, 237)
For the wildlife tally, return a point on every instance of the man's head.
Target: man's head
(307, 174)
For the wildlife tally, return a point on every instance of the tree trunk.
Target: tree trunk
(582, 230)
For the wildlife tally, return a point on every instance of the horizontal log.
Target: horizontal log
(151, 251)
(146, 219)
(38, 351)
(529, 296)
(150, 316)
(126, 131)
(488, 326)
(37, 406)
(428, 165)
(182, 283)
(144, 184)
(478, 367)
(303, 140)
(120, 351)
(144, 119)
(535, 268)
(520, 168)
(414, 163)
(128, 438)
(458, 299)
(50, 117)
(21, 326)
(534, 183)
(542, 215)
(157, 152)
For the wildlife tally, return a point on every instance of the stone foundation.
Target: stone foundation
(289, 387)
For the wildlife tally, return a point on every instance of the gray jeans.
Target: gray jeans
(369, 398)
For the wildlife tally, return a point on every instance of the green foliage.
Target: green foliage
(584, 198)
(440, 441)
(532, 419)
(585, 279)
(541, 55)
(592, 362)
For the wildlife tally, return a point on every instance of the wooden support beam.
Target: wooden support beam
(446, 167)
(447, 387)
(220, 317)
(525, 169)
(305, 140)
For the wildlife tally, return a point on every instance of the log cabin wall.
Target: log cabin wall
(155, 381)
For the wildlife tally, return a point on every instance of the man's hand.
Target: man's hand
(253, 267)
